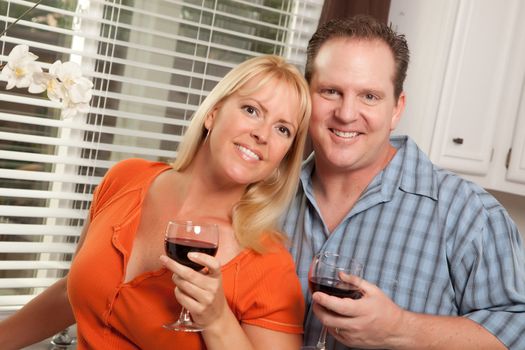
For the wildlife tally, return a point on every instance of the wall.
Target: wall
(515, 205)
(428, 27)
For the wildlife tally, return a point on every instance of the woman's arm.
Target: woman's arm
(42, 317)
(223, 334)
(45, 315)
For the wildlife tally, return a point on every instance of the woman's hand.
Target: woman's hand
(200, 292)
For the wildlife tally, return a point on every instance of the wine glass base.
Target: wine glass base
(183, 327)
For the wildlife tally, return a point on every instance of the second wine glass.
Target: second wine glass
(183, 237)
(325, 276)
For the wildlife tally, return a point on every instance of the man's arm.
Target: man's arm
(419, 331)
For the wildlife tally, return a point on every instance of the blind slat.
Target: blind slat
(81, 144)
(54, 159)
(21, 193)
(51, 177)
(89, 127)
(27, 211)
(13, 302)
(35, 264)
(26, 282)
(36, 247)
(28, 229)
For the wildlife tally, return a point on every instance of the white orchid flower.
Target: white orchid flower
(76, 90)
(64, 82)
(20, 68)
(44, 81)
(55, 89)
(69, 73)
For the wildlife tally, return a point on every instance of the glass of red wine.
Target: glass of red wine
(183, 237)
(325, 276)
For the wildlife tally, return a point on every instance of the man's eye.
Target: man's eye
(370, 99)
(329, 91)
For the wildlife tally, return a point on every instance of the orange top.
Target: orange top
(114, 315)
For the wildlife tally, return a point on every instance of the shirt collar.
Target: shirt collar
(411, 166)
(410, 170)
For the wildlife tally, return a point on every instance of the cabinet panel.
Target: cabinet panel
(516, 170)
(474, 86)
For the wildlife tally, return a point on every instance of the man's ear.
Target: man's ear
(398, 110)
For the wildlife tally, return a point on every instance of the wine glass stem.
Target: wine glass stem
(321, 343)
(184, 317)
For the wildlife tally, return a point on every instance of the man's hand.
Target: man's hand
(373, 321)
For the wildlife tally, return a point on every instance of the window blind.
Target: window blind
(151, 62)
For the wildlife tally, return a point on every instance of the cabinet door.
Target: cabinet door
(474, 85)
(516, 164)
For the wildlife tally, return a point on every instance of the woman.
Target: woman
(237, 167)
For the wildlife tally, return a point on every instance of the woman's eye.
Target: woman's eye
(251, 110)
(284, 130)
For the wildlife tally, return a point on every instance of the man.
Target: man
(444, 264)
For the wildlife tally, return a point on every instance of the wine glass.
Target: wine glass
(183, 237)
(324, 276)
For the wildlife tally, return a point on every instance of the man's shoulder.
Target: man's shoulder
(449, 186)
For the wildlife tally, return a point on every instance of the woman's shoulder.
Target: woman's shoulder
(133, 170)
(126, 176)
(275, 255)
(130, 166)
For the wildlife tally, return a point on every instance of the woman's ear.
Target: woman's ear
(210, 118)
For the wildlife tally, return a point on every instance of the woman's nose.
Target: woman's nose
(260, 134)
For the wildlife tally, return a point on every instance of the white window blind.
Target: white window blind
(151, 62)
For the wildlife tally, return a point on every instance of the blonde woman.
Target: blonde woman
(237, 167)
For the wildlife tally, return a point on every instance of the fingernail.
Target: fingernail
(163, 259)
(192, 255)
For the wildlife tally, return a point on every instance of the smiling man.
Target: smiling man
(444, 265)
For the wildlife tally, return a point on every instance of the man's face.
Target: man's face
(354, 109)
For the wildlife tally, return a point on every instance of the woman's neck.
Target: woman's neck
(201, 190)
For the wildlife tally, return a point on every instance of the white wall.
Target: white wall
(515, 205)
(428, 27)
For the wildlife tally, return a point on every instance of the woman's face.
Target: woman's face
(252, 132)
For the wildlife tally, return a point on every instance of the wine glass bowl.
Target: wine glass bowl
(180, 241)
(325, 275)
(183, 237)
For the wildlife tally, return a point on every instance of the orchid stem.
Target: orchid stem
(19, 18)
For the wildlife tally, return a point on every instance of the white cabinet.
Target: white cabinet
(478, 113)
(516, 164)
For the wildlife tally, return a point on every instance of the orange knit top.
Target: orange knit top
(261, 290)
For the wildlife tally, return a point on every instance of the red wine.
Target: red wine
(178, 249)
(334, 287)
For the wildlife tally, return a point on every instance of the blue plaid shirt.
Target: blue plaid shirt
(432, 241)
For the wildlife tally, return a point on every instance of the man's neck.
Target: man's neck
(336, 191)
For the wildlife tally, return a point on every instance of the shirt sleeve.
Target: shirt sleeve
(270, 294)
(492, 268)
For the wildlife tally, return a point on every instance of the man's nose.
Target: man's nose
(347, 109)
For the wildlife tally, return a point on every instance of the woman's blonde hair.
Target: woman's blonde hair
(258, 210)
